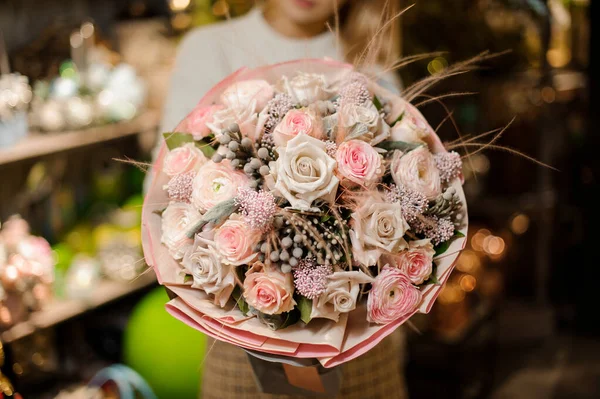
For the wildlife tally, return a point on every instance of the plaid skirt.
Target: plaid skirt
(378, 373)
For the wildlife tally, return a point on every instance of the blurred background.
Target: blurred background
(82, 84)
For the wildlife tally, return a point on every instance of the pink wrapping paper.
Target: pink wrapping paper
(331, 343)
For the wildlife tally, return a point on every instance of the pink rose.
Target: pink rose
(295, 122)
(176, 219)
(195, 122)
(392, 296)
(38, 253)
(183, 159)
(269, 290)
(216, 182)
(235, 241)
(242, 95)
(359, 163)
(416, 262)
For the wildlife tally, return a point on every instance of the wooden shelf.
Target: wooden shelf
(60, 310)
(39, 144)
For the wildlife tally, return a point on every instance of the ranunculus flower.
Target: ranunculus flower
(295, 122)
(304, 172)
(241, 95)
(309, 87)
(340, 295)
(364, 123)
(208, 272)
(392, 296)
(268, 290)
(377, 227)
(216, 182)
(196, 122)
(411, 129)
(183, 159)
(358, 162)
(235, 241)
(417, 171)
(416, 262)
(176, 219)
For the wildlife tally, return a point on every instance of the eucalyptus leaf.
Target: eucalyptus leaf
(398, 119)
(216, 216)
(204, 146)
(443, 247)
(358, 130)
(187, 278)
(304, 305)
(399, 145)
(176, 139)
(240, 301)
(377, 103)
(279, 321)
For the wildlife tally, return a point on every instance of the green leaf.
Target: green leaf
(240, 301)
(204, 146)
(279, 321)
(399, 145)
(325, 217)
(187, 278)
(216, 215)
(377, 103)
(304, 305)
(432, 277)
(443, 247)
(176, 139)
(398, 119)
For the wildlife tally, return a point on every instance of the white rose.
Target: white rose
(245, 117)
(410, 129)
(416, 170)
(309, 87)
(340, 295)
(240, 95)
(216, 182)
(176, 219)
(208, 272)
(377, 227)
(304, 172)
(367, 116)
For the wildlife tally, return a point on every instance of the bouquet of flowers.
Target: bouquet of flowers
(301, 210)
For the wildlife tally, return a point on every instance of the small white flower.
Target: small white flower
(304, 172)
(309, 87)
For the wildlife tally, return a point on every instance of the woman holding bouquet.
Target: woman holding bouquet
(278, 31)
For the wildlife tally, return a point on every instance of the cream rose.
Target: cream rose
(268, 290)
(246, 118)
(196, 122)
(377, 227)
(235, 241)
(216, 182)
(209, 273)
(392, 296)
(241, 95)
(304, 172)
(411, 129)
(416, 262)
(183, 159)
(416, 170)
(295, 122)
(364, 123)
(176, 219)
(359, 163)
(340, 295)
(306, 87)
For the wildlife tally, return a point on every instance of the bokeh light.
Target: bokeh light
(519, 224)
